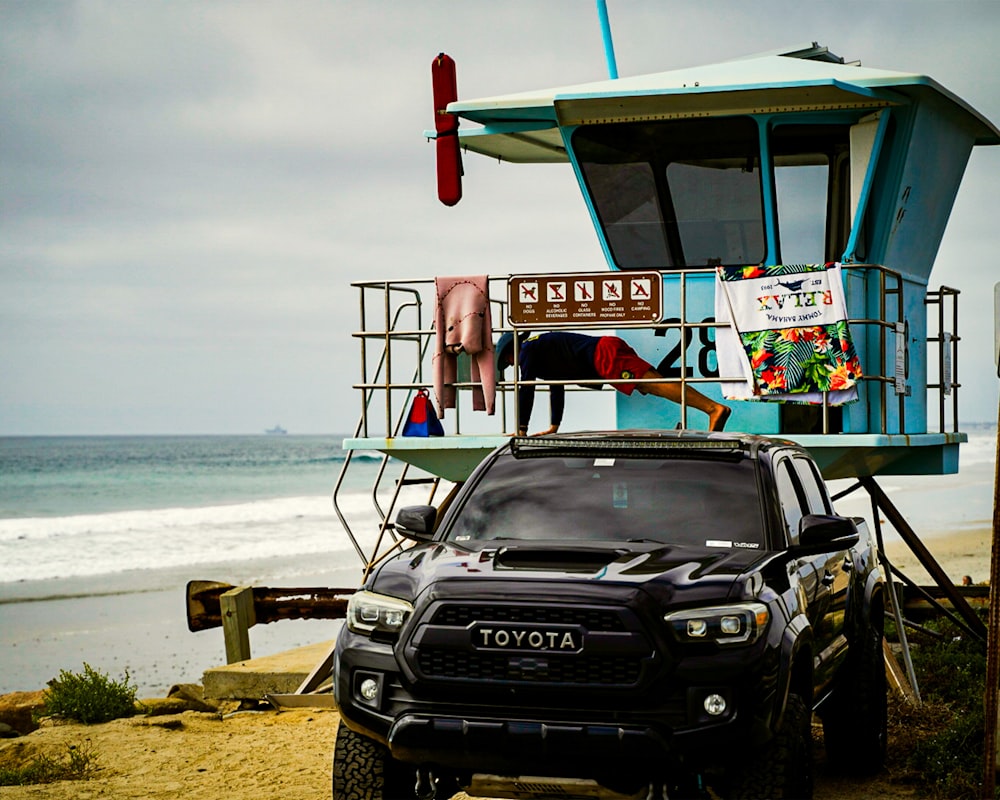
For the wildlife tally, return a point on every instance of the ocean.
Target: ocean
(78, 507)
(100, 535)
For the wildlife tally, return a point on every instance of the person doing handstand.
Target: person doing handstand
(564, 356)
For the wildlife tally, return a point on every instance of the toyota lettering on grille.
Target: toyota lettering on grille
(495, 637)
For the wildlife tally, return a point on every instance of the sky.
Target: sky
(187, 189)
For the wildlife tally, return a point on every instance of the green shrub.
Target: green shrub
(78, 764)
(950, 763)
(89, 697)
(947, 758)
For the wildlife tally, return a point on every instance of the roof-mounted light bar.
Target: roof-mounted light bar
(528, 446)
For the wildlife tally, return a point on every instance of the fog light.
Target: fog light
(697, 628)
(369, 689)
(715, 705)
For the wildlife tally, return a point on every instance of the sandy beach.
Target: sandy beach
(136, 621)
(193, 755)
(960, 554)
(265, 755)
(286, 755)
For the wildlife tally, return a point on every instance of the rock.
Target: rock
(18, 710)
(172, 724)
(228, 707)
(181, 697)
(194, 695)
(7, 732)
(161, 706)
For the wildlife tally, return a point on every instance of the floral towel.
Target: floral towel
(789, 338)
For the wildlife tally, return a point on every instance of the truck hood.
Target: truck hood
(672, 573)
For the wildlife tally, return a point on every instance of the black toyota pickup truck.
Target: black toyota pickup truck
(616, 615)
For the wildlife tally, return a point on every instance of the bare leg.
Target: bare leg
(717, 412)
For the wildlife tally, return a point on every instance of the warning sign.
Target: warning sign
(585, 298)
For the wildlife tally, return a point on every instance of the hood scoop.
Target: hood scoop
(555, 558)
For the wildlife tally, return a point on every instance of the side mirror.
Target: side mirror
(819, 533)
(417, 522)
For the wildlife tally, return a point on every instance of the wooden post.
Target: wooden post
(898, 679)
(237, 619)
(991, 757)
(991, 754)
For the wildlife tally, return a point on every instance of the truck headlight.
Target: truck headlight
(369, 613)
(736, 624)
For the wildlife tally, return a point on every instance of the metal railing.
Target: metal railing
(946, 339)
(392, 315)
(396, 352)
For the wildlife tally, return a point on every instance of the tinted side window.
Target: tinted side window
(790, 497)
(817, 500)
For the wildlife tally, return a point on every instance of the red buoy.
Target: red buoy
(449, 157)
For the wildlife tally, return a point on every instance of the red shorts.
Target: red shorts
(615, 360)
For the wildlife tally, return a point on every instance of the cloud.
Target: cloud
(188, 189)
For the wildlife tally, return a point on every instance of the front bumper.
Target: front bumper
(579, 732)
(550, 747)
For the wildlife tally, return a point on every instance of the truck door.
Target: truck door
(823, 577)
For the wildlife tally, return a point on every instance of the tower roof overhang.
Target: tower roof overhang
(525, 127)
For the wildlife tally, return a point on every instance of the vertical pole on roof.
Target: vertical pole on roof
(609, 46)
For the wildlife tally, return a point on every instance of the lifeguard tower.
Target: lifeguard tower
(785, 158)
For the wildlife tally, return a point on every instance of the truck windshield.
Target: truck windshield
(680, 501)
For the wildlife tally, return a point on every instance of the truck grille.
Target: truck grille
(564, 669)
(609, 648)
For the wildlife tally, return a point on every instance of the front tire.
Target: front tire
(855, 726)
(364, 769)
(785, 769)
